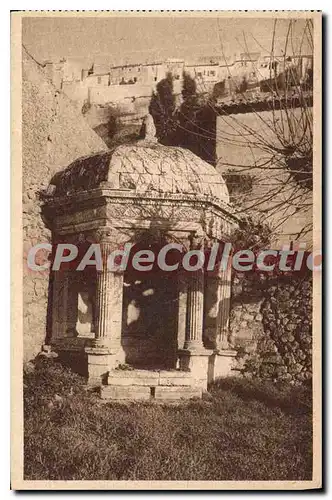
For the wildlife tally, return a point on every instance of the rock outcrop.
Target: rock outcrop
(54, 134)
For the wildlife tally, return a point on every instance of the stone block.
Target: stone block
(96, 374)
(138, 374)
(149, 378)
(175, 393)
(174, 377)
(98, 365)
(197, 362)
(133, 378)
(96, 359)
(132, 381)
(172, 373)
(119, 392)
(175, 381)
(224, 362)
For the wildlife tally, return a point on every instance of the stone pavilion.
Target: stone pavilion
(141, 335)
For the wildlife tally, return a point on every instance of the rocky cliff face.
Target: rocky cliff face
(54, 134)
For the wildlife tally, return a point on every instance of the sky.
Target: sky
(120, 40)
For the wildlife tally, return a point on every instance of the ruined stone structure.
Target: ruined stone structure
(169, 329)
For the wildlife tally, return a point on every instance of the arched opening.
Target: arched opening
(150, 312)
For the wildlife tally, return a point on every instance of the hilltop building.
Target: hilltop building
(103, 84)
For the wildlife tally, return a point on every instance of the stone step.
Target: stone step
(119, 392)
(149, 378)
(160, 393)
(175, 393)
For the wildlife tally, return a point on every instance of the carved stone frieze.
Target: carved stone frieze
(153, 209)
(80, 217)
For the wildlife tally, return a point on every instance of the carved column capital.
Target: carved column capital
(105, 235)
(196, 240)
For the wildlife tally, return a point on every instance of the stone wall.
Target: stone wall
(271, 326)
(287, 322)
(118, 93)
(104, 94)
(54, 134)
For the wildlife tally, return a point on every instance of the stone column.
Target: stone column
(182, 312)
(59, 304)
(224, 285)
(195, 308)
(106, 351)
(104, 292)
(224, 354)
(194, 357)
(72, 303)
(211, 309)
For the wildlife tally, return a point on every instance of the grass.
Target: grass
(241, 430)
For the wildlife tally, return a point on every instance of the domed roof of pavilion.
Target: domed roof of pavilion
(145, 168)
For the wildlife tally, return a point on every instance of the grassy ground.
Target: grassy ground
(243, 430)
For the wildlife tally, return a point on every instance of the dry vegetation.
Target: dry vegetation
(242, 430)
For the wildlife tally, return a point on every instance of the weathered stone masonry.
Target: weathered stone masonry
(271, 326)
(144, 192)
(54, 134)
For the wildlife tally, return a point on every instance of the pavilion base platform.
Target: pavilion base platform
(106, 370)
(159, 385)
